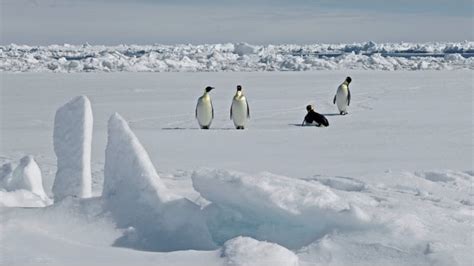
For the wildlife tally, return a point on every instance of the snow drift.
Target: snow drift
(246, 251)
(279, 209)
(237, 57)
(155, 218)
(72, 144)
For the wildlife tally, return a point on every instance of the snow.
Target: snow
(246, 251)
(72, 144)
(237, 57)
(388, 184)
(137, 198)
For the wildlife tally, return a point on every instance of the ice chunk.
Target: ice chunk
(27, 176)
(284, 210)
(246, 251)
(244, 49)
(6, 172)
(265, 192)
(72, 145)
(136, 196)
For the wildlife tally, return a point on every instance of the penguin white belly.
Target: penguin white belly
(204, 112)
(341, 98)
(239, 112)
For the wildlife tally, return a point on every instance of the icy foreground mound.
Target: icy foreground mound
(72, 145)
(23, 186)
(246, 251)
(279, 209)
(237, 57)
(156, 218)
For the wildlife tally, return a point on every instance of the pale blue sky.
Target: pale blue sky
(211, 21)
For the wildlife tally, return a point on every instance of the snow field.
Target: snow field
(351, 212)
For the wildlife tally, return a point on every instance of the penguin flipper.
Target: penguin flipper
(334, 101)
(348, 96)
(248, 109)
(230, 112)
(196, 111)
(212, 108)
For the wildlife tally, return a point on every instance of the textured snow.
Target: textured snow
(157, 219)
(72, 144)
(22, 198)
(237, 57)
(246, 251)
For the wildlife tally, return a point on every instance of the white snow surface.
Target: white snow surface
(72, 144)
(246, 251)
(237, 57)
(388, 184)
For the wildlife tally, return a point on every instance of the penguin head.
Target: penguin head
(309, 107)
(209, 88)
(348, 80)
(239, 88)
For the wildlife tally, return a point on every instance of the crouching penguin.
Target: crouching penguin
(314, 118)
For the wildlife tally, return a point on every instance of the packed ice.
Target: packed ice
(237, 57)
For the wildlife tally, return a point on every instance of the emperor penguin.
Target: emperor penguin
(204, 109)
(343, 96)
(239, 110)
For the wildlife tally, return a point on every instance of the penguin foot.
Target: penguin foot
(240, 127)
(205, 127)
(343, 113)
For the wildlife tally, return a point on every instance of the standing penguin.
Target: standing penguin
(343, 96)
(239, 110)
(204, 109)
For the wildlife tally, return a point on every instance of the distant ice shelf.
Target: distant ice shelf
(237, 57)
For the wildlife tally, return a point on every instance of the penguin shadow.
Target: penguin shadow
(333, 114)
(300, 125)
(196, 128)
